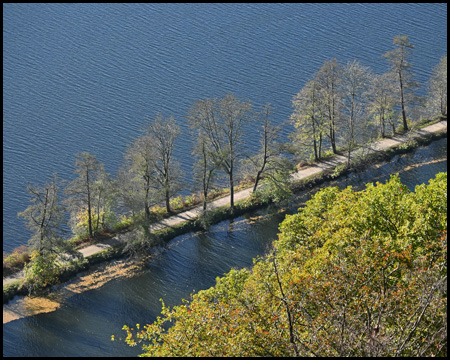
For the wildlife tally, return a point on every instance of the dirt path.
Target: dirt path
(301, 174)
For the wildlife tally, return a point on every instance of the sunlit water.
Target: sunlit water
(86, 77)
(75, 321)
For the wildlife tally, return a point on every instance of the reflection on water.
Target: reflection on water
(422, 164)
(28, 306)
(32, 305)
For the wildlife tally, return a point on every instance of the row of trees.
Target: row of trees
(328, 110)
(352, 274)
(340, 102)
(150, 174)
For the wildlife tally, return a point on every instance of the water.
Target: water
(87, 77)
(84, 322)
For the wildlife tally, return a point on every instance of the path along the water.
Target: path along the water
(301, 174)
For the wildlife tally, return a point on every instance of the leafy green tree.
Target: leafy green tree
(42, 270)
(352, 274)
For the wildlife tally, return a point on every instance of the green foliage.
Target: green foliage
(338, 170)
(41, 271)
(123, 223)
(158, 212)
(276, 188)
(176, 203)
(352, 274)
(141, 242)
(191, 200)
(16, 260)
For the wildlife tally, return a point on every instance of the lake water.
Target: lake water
(83, 322)
(87, 77)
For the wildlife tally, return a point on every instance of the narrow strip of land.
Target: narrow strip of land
(305, 172)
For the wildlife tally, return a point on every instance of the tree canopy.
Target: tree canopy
(352, 274)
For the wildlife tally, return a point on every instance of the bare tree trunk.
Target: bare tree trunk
(167, 196)
(146, 200)
(89, 204)
(402, 100)
(231, 191)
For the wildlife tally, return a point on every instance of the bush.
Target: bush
(158, 212)
(176, 203)
(16, 260)
(42, 270)
(192, 200)
(123, 224)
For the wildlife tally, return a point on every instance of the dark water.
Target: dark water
(84, 323)
(86, 77)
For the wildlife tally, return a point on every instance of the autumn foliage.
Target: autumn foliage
(352, 274)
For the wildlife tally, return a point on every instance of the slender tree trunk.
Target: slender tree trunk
(382, 121)
(167, 195)
(89, 204)
(258, 175)
(205, 197)
(41, 242)
(320, 146)
(146, 204)
(333, 141)
(314, 138)
(402, 100)
(205, 183)
(231, 190)
(98, 213)
(260, 171)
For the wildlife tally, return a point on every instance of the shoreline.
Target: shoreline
(184, 222)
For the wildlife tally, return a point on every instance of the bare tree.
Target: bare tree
(129, 187)
(234, 114)
(137, 175)
(354, 84)
(84, 192)
(329, 77)
(200, 115)
(44, 217)
(437, 88)
(382, 101)
(222, 123)
(162, 135)
(268, 161)
(308, 117)
(105, 201)
(401, 67)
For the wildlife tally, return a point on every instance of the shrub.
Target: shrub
(176, 203)
(41, 271)
(16, 260)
